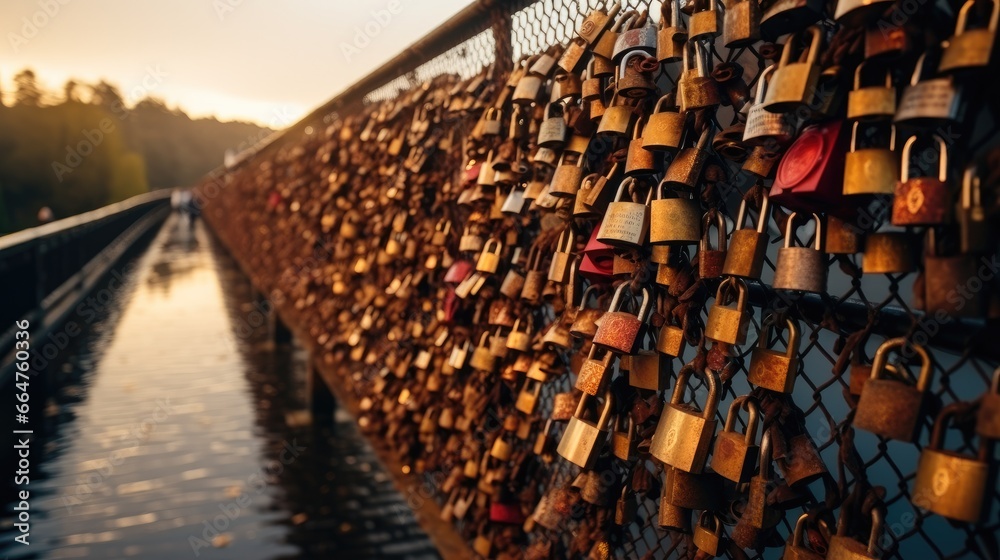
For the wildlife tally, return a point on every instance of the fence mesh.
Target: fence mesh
(959, 371)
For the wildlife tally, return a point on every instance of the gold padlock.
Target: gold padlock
(952, 484)
(843, 547)
(747, 246)
(970, 49)
(583, 440)
(728, 324)
(683, 435)
(735, 454)
(872, 170)
(871, 102)
(772, 369)
(793, 84)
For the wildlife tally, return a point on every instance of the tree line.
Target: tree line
(84, 147)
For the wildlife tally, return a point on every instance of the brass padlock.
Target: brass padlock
(692, 491)
(552, 131)
(619, 331)
(640, 161)
(623, 442)
(583, 440)
(683, 435)
(672, 35)
(664, 128)
(567, 177)
(929, 103)
(974, 231)
(649, 370)
(562, 258)
(491, 122)
(970, 49)
(670, 340)
(771, 369)
(482, 359)
(685, 169)
(626, 507)
(616, 119)
(888, 252)
(790, 16)
(797, 546)
(573, 55)
(764, 128)
(843, 547)
(534, 278)
(871, 102)
(596, 22)
(626, 223)
(951, 484)
(871, 170)
(696, 88)
(747, 246)
(585, 324)
(528, 88)
(801, 268)
(527, 398)
(942, 273)
(595, 373)
(757, 514)
(793, 84)
(710, 261)
(521, 340)
(708, 533)
(604, 48)
(735, 455)
(893, 408)
(489, 259)
(988, 415)
(922, 201)
(801, 464)
(761, 161)
(675, 219)
(728, 324)
(706, 23)
(742, 24)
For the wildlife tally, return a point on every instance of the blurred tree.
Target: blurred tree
(27, 93)
(71, 92)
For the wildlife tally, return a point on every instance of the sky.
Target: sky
(264, 61)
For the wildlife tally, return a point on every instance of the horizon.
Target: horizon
(308, 50)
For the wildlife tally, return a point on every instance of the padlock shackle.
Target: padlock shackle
(586, 295)
(818, 237)
(762, 216)
(800, 530)
(741, 291)
(765, 456)
(882, 357)
(683, 376)
(942, 158)
(747, 402)
(624, 64)
(963, 16)
(857, 76)
(971, 188)
(762, 80)
(721, 235)
(496, 243)
(769, 322)
(716, 527)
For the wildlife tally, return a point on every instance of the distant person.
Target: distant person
(45, 215)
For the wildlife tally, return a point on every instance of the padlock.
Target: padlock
(616, 119)
(696, 88)
(797, 547)
(675, 219)
(638, 36)
(952, 484)
(562, 258)
(771, 369)
(635, 78)
(728, 324)
(672, 35)
(501, 448)
(893, 408)
(683, 435)
(801, 269)
(626, 507)
(988, 415)
(793, 84)
(757, 514)
(888, 252)
(684, 171)
(626, 223)
(623, 442)
(521, 340)
(747, 246)
(670, 340)
(534, 277)
(922, 201)
(498, 344)
(604, 48)
(764, 128)
(585, 324)
(649, 370)
(790, 16)
(552, 131)
(567, 177)
(596, 22)
(601, 193)
(735, 455)
(671, 516)
(970, 49)
(583, 440)
(482, 359)
(802, 464)
(527, 398)
(595, 373)
(760, 161)
(942, 273)
(664, 128)
(489, 259)
(573, 55)
(929, 103)
(974, 231)
(871, 102)
(843, 547)
(706, 23)
(543, 63)
(640, 161)
(708, 532)
(710, 261)
(692, 491)
(528, 88)
(872, 170)
(619, 331)
(742, 24)
(842, 237)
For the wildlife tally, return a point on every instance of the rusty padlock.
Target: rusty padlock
(893, 408)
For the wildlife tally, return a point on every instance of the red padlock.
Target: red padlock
(810, 176)
(597, 264)
(619, 330)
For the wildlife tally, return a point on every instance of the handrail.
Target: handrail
(31, 235)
